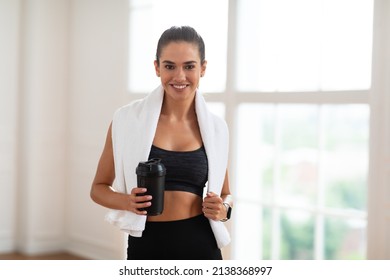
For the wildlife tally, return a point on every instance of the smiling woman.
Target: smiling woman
(174, 125)
(182, 56)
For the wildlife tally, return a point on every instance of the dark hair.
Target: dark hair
(177, 34)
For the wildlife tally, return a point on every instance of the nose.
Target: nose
(180, 74)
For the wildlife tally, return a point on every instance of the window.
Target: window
(309, 165)
(292, 78)
(304, 45)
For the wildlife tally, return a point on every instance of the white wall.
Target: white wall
(63, 74)
(9, 38)
(98, 49)
(42, 125)
(379, 179)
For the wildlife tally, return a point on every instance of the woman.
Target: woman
(171, 123)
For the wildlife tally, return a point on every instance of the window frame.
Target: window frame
(231, 98)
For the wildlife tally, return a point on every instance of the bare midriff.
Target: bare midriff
(178, 205)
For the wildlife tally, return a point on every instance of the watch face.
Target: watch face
(229, 213)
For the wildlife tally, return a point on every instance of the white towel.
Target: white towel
(133, 130)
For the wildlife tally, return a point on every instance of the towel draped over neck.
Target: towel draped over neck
(133, 130)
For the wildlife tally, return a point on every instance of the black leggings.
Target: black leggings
(188, 239)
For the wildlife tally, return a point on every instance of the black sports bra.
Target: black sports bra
(186, 171)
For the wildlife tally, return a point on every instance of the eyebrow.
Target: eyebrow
(187, 62)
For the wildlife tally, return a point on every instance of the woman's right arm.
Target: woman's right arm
(102, 192)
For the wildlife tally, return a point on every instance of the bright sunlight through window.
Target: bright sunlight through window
(292, 78)
(304, 45)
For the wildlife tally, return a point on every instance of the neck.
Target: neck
(178, 110)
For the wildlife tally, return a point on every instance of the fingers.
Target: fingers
(213, 198)
(138, 190)
(213, 207)
(138, 201)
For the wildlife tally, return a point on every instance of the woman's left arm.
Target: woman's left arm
(213, 204)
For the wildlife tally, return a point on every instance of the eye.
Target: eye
(189, 67)
(169, 67)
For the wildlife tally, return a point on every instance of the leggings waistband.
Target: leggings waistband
(181, 221)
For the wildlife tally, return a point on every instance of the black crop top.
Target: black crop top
(186, 171)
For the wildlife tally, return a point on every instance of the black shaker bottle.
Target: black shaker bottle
(151, 175)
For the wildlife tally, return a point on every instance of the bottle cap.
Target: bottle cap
(152, 167)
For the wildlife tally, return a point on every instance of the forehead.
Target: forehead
(180, 51)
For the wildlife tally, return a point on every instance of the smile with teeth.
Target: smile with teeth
(179, 86)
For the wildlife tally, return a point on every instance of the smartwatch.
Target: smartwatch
(228, 213)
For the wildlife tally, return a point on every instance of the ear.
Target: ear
(203, 68)
(157, 68)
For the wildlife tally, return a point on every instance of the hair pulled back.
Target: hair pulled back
(177, 34)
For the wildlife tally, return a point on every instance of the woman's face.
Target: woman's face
(180, 70)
